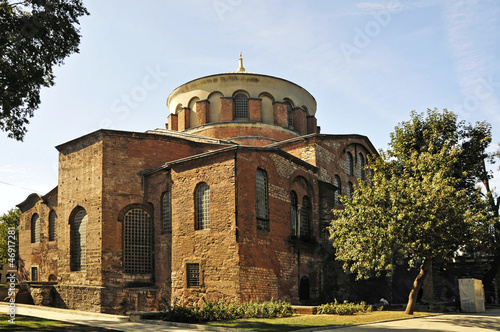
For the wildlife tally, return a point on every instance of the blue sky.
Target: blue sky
(367, 63)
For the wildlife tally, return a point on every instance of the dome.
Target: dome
(243, 107)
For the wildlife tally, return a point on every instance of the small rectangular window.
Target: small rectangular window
(34, 273)
(193, 274)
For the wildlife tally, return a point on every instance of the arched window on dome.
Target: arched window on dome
(240, 104)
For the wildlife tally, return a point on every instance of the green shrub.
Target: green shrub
(219, 310)
(345, 308)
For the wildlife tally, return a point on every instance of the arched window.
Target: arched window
(240, 106)
(361, 164)
(35, 228)
(138, 242)
(202, 206)
(52, 225)
(79, 241)
(289, 113)
(167, 213)
(293, 213)
(305, 218)
(349, 164)
(350, 190)
(261, 198)
(338, 191)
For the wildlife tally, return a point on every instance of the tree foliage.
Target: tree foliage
(8, 220)
(421, 202)
(35, 35)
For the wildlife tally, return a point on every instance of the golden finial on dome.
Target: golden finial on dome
(241, 69)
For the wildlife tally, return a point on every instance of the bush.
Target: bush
(345, 308)
(219, 310)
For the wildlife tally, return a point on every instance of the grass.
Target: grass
(298, 322)
(26, 323)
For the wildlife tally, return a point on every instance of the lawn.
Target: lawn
(298, 322)
(26, 323)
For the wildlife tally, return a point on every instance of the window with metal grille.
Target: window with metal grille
(338, 190)
(202, 206)
(305, 218)
(34, 273)
(349, 164)
(52, 225)
(35, 228)
(138, 242)
(361, 164)
(79, 241)
(350, 190)
(167, 213)
(293, 213)
(193, 274)
(262, 201)
(289, 114)
(240, 106)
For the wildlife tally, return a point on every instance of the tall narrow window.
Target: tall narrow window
(350, 190)
(338, 191)
(349, 164)
(52, 225)
(34, 273)
(305, 218)
(240, 106)
(138, 242)
(361, 164)
(293, 213)
(193, 275)
(262, 201)
(79, 241)
(202, 206)
(167, 213)
(289, 114)
(35, 228)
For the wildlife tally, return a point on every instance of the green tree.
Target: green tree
(434, 130)
(8, 222)
(35, 35)
(421, 203)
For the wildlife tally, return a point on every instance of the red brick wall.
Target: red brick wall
(184, 119)
(263, 131)
(173, 122)
(312, 125)
(255, 109)
(226, 109)
(202, 108)
(268, 260)
(299, 121)
(280, 114)
(215, 249)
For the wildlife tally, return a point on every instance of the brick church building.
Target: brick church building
(231, 201)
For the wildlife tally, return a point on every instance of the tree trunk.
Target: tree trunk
(417, 284)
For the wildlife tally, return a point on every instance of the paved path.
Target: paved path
(481, 322)
(115, 322)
